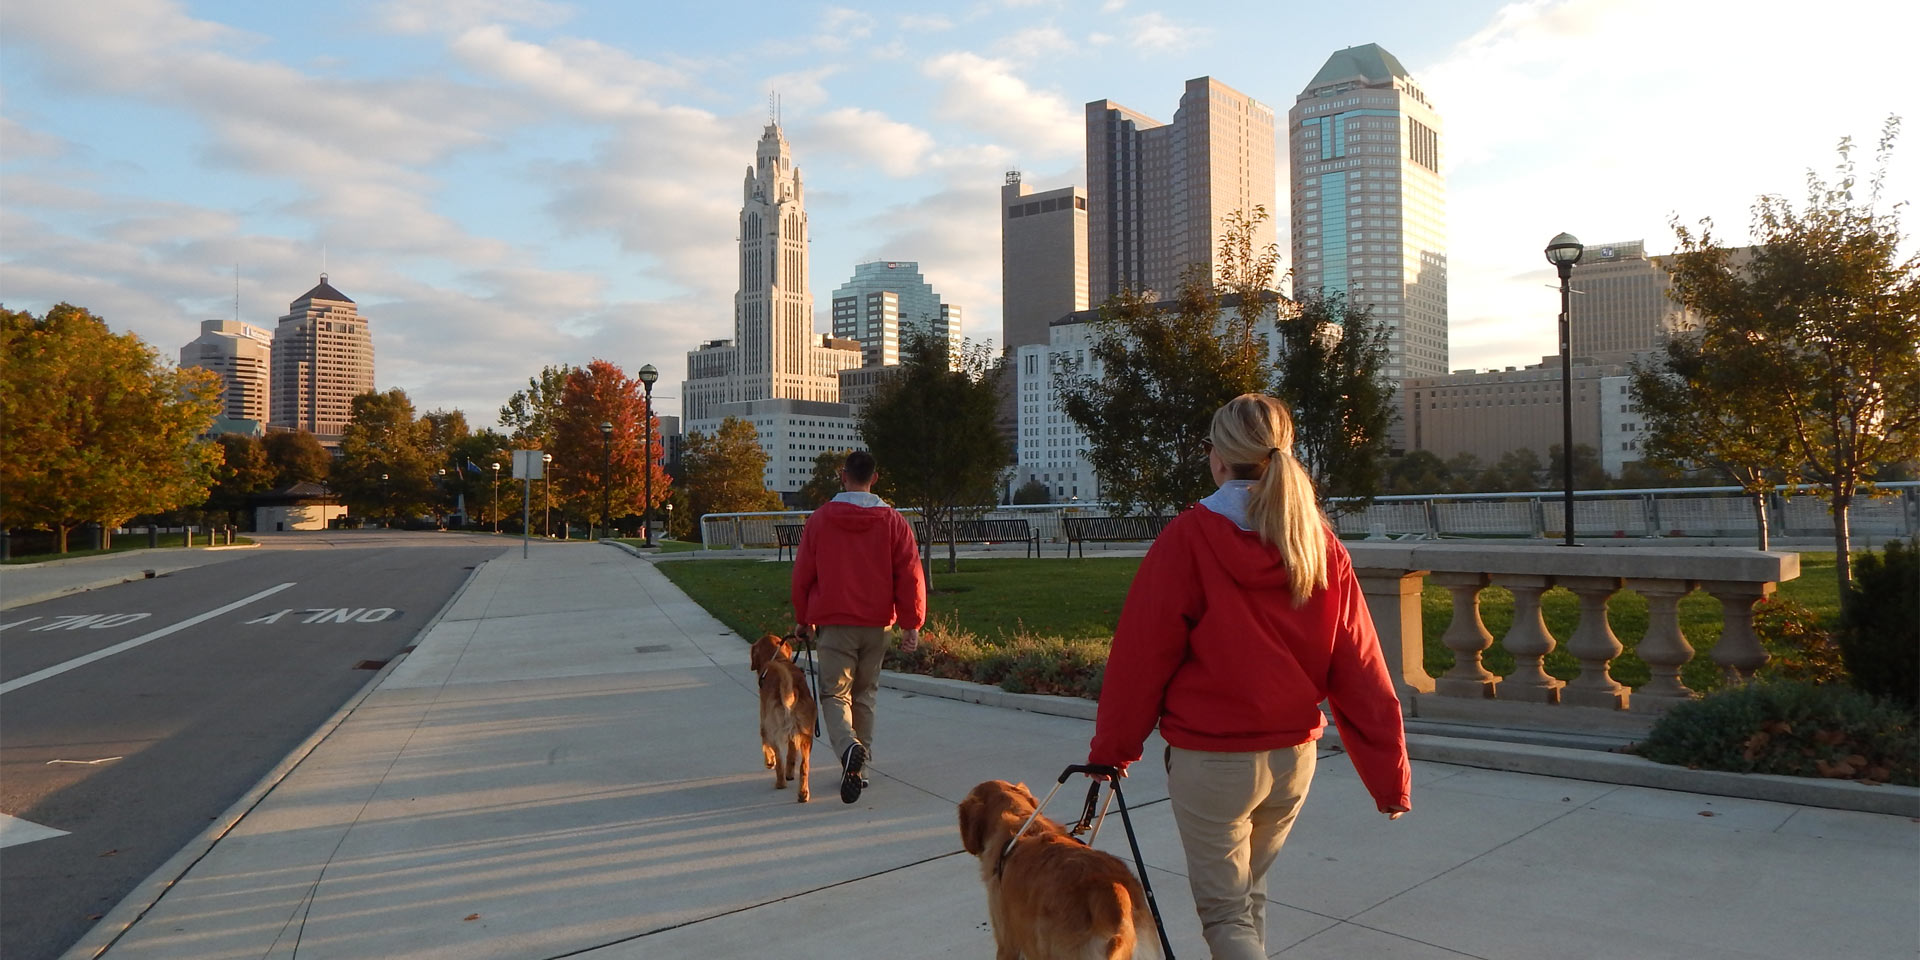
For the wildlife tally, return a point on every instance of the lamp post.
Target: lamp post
(669, 518)
(606, 480)
(496, 497)
(1563, 252)
(386, 504)
(443, 492)
(647, 376)
(546, 496)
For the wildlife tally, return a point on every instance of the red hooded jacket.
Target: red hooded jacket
(1210, 646)
(858, 566)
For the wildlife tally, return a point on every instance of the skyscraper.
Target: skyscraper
(882, 300)
(242, 354)
(1158, 193)
(774, 351)
(1043, 259)
(1369, 214)
(1623, 308)
(322, 359)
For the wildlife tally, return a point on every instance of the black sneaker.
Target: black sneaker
(851, 782)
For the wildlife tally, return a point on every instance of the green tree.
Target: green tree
(529, 415)
(295, 456)
(1418, 472)
(824, 485)
(385, 460)
(1516, 471)
(1696, 397)
(1829, 313)
(1033, 491)
(243, 470)
(598, 393)
(1465, 469)
(1588, 473)
(931, 429)
(1331, 360)
(99, 428)
(726, 473)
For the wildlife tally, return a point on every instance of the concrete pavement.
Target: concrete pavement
(568, 766)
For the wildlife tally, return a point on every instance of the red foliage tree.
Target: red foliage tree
(597, 393)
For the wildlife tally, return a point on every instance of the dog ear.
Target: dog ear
(759, 655)
(973, 823)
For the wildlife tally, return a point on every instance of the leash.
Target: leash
(813, 679)
(1113, 773)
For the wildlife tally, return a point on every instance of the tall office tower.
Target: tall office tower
(1043, 259)
(242, 354)
(882, 300)
(322, 359)
(774, 353)
(1623, 309)
(1369, 217)
(1158, 193)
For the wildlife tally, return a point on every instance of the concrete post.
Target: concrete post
(1664, 648)
(1393, 600)
(1739, 651)
(1467, 637)
(1529, 641)
(1594, 645)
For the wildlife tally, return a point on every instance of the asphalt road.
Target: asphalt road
(204, 680)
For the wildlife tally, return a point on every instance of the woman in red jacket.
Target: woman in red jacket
(1244, 616)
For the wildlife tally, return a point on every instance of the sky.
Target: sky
(506, 184)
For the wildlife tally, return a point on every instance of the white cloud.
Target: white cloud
(803, 88)
(841, 26)
(1035, 43)
(988, 97)
(1113, 6)
(924, 23)
(1155, 33)
(582, 76)
(869, 137)
(18, 142)
(954, 235)
(440, 16)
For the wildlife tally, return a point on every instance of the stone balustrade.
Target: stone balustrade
(1393, 575)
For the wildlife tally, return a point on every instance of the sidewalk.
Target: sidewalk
(24, 583)
(568, 765)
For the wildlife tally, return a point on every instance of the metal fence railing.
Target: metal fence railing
(1894, 511)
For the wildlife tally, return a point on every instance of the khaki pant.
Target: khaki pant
(1234, 811)
(849, 679)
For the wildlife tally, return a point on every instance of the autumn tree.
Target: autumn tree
(725, 473)
(1826, 312)
(1696, 398)
(824, 485)
(99, 428)
(529, 415)
(243, 471)
(1332, 355)
(592, 468)
(295, 456)
(931, 429)
(385, 458)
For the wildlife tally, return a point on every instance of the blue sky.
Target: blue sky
(503, 184)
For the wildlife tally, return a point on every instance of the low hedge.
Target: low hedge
(1792, 728)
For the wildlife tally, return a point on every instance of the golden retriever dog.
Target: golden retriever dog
(786, 713)
(1051, 897)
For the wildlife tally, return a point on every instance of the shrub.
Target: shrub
(1796, 729)
(1880, 623)
(1021, 663)
(1802, 649)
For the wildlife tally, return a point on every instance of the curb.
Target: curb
(143, 897)
(1544, 760)
(21, 600)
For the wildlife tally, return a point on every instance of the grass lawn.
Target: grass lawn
(663, 545)
(999, 599)
(124, 544)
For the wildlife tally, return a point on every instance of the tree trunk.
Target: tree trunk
(60, 535)
(1760, 516)
(1843, 547)
(106, 537)
(953, 553)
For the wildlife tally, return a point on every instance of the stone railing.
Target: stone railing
(1392, 575)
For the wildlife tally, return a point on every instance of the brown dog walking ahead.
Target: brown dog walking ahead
(1051, 897)
(787, 711)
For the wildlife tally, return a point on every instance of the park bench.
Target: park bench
(786, 537)
(1082, 529)
(979, 531)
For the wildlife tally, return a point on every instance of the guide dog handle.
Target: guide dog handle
(1113, 781)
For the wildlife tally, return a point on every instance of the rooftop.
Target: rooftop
(1367, 62)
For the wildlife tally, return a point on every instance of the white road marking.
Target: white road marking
(125, 645)
(8, 626)
(86, 763)
(90, 621)
(15, 831)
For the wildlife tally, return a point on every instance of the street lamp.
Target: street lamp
(443, 493)
(669, 518)
(606, 481)
(496, 497)
(1563, 252)
(386, 504)
(647, 376)
(546, 496)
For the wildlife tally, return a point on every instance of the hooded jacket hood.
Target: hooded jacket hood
(1242, 555)
(855, 512)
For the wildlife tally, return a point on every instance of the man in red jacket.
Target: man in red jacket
(857, 572)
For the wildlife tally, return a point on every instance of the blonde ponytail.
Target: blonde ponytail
(1253, 435)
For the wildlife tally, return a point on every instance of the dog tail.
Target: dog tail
(1124, 911)
(786, 688)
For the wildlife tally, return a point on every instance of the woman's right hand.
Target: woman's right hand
(1394, 811)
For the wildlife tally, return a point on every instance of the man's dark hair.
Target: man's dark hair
(860, 466)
